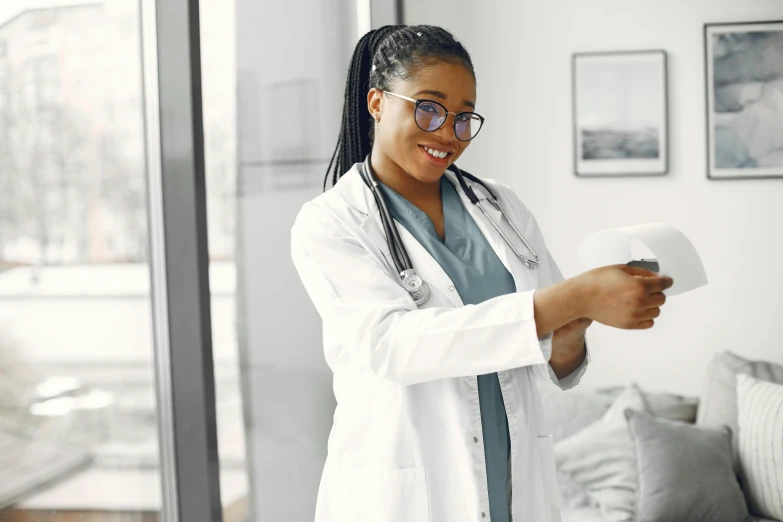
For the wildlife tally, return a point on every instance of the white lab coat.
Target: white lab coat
(406, 444)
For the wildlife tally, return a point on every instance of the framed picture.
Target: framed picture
(744, 80)
(620, 113)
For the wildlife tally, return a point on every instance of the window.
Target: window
(77, 398)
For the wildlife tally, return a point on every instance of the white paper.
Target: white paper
(676, 256)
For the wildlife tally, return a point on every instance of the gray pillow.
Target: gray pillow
(718, 405)
(684, 472)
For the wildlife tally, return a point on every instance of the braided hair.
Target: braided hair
(396, 52)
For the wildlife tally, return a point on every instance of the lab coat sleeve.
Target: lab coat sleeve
(370, 321)
(553, 276)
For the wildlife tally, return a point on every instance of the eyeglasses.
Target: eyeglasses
(431, 115)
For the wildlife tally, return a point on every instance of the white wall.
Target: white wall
(522, 52)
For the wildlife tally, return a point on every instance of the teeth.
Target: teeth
(437, 154)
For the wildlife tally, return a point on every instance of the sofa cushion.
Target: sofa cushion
(760, 419)
(664, 405)
(684, 472)
(718, 404)
(585, 514)
(567, 413)
(600, 458)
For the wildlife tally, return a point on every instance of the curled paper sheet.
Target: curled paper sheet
(676, 256)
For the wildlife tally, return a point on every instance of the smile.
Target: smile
(440, 154)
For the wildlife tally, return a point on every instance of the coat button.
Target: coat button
(475, 439)
(483, 514)
(451, 288)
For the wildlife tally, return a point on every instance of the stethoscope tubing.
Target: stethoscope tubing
(402, 261)
(398, 257)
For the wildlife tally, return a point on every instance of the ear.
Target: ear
(375, 102)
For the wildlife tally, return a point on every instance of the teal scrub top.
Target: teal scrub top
(478, 275)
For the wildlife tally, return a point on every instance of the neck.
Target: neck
(405, 184)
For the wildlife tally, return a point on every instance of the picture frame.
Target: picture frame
(743, 67)
(620, 113)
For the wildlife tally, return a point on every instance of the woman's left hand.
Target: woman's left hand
(573, 329)
(568, 346)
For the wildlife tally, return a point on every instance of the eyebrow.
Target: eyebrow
(442, 96)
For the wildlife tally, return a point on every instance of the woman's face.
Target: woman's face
(401, 141)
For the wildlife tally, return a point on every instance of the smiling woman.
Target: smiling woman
(440, 303)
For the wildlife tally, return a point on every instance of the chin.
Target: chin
(428, 174)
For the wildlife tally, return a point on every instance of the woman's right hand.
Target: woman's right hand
(624, 296)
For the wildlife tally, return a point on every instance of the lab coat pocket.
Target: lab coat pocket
(549, 476)
(398, 495)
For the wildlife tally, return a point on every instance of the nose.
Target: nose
(446, 131)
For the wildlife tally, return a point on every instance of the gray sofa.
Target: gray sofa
(572, 413)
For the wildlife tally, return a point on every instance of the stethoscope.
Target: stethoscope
(414, 284)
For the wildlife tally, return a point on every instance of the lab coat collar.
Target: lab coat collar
(356, 194)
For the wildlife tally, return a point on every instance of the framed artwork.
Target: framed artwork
(620, 113)
(744, 82)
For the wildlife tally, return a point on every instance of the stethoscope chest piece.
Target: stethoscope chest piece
(415, 286)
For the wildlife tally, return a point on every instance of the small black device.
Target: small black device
(647, 264)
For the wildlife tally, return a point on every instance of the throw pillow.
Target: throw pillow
(760, 447)
(600, 458)
(665, 405)
(684, 472)
(567, 413)
(718, 405)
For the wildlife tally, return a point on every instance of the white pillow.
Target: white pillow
(760, 444)
(600, 458)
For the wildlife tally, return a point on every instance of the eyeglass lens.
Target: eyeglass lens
(431, 115)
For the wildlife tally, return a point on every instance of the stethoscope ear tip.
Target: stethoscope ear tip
(531, 264)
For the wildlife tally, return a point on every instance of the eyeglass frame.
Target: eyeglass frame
(417, 102)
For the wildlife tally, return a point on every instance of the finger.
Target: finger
(638, 271)
(658, 283)
(656, 300)
(645, 325)
(650, 313)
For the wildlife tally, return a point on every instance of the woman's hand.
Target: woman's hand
(575, 328)
(624, 296)
(568, 347)
(621, 296)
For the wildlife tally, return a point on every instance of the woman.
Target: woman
(438, 414)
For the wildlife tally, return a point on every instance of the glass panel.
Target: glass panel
(271, 121)
(78, 434)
